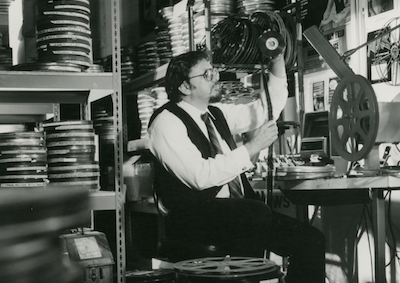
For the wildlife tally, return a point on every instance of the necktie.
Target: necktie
(234, 185)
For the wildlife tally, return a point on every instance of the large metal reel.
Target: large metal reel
(386, 52)
(225, 267)
(353, 118)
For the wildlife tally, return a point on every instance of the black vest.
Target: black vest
(174, 194)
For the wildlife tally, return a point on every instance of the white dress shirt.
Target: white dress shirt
(169, 141)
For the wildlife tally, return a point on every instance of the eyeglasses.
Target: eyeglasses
(209, 75)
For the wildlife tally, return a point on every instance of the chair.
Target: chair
(174, 250)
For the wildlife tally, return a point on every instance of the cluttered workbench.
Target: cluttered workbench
(353, 130)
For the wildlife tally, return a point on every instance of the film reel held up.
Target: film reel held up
(271, 44)
(235, 40)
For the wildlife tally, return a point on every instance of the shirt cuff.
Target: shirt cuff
(242, 159)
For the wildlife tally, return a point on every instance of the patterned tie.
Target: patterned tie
(234, 185)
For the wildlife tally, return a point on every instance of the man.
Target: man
(198, 182)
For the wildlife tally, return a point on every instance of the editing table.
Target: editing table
(377, 185)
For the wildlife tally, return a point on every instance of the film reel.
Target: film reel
(225, 267)
(353, 118)
(385, 52)
(271, 44)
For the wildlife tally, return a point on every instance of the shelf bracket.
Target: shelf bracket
(56, 111)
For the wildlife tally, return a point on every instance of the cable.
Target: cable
(270, 163)
(369, 242)
(359, 232)
(392, 234)
(365, 215)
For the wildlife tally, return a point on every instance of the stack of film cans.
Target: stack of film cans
(23, 160)
(5, 58)
(71, 154)
(64, 34)
(129, 64)
(252, 6)
(148, 59)
(163, 44)
(103, 123)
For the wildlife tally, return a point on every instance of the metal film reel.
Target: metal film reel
(386, 52)
(353, 118)
(225, 267)
(271, 44)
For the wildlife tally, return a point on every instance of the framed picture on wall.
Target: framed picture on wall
(376, 7)
(318, 95)
(337, 13)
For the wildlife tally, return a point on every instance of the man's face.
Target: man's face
(202, 89)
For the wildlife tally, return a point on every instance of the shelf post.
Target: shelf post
(207, 15)
(192, 45)
(118, 143)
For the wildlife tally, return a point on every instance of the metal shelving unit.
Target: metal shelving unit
(28, 96)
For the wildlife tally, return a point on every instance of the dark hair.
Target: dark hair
(178, 71)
